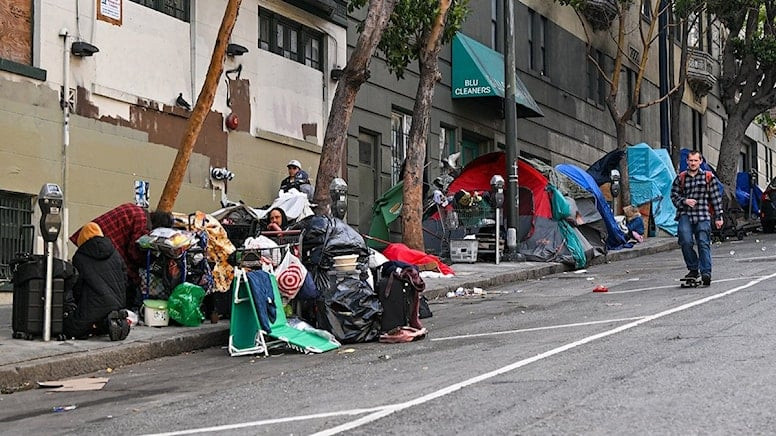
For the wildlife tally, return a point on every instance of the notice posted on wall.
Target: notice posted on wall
(110, 11)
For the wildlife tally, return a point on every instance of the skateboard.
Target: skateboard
(690, 282)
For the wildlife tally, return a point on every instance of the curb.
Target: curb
(551, 268)
(23, 376)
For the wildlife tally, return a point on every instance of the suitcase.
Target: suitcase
(396, 297)
(29, 293)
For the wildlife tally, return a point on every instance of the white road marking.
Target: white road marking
(534, 329)
(747, 259)
(269, 421)
(379, 412)
(673, 286)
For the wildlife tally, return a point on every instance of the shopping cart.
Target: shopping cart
(288, 240)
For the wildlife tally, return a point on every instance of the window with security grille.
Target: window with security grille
(400, 135)
(179, 9)
(290, 39)
(15, 216)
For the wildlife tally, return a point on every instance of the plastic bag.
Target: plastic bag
(183, 304)
(290, 275)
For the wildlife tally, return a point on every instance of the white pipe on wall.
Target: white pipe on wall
(65, 104)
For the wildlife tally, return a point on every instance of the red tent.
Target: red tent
(477, 173)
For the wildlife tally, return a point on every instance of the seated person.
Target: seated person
(277, 220)
(97, 303)
(297, 179)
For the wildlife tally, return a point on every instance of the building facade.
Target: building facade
(125, 64)
(552, 63)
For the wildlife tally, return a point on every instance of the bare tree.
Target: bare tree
(355, 74)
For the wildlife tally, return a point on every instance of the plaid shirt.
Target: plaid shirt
(695, 188)
(123, 225)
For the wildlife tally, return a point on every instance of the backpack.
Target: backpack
(709, 177)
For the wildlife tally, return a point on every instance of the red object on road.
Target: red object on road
(600, 288)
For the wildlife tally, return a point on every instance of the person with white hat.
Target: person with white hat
(297, 179)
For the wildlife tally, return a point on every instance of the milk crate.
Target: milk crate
(463, 250)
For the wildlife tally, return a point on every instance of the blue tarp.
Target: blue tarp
(651, 175)
(742, 193)
(615, 238)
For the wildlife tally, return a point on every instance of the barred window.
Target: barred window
(290, 39)
(15, 214)
(179, 9)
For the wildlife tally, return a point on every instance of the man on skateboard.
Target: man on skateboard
(697, 197)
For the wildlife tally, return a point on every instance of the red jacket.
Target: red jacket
(123, 225)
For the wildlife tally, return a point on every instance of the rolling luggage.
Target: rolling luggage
(29, 293)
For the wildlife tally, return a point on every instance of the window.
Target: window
(646, 10)
(15, 212)
(494, 25)
(543, 45)
(290, 39)
(400, 133)
(631, 77)
(179, 9)
(768, 164)
(596, 85)
(531, 60)
(697, 131)
(537, 42)
(446, 141)
(367, 144)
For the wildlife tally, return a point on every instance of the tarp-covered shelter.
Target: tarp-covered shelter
(615, 238)
(651, 174)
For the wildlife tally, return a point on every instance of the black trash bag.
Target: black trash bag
(350, 311)
(325, 237)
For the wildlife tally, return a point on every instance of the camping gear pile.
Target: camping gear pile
(563, 214)
(313, 286)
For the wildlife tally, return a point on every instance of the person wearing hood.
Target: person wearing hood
(97, 303)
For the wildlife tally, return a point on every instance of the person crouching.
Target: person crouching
(97, 304)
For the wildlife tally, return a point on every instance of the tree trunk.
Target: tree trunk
(201, 109)
(355, 73)
(624, 177)
(729, 148)
(428, 59)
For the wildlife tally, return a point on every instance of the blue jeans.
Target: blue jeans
(699, 233)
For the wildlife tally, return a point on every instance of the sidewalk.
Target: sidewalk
(23, 363)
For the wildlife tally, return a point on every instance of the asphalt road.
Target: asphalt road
(541, 357)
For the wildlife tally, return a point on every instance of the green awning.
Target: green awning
(478, 71)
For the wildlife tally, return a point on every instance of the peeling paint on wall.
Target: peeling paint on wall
(165, 125)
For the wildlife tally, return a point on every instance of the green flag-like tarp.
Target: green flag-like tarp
(385, 211)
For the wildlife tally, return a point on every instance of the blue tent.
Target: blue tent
(615, 238)
(651, 175)
(743, 187)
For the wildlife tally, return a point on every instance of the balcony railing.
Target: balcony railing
(700, 72)
(599, 13)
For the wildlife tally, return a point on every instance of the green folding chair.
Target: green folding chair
(247, 337)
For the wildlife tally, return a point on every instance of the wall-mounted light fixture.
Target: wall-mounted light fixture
(336, 73)
(235, 49)
(82, 48)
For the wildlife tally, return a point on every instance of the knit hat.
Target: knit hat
(88, 231)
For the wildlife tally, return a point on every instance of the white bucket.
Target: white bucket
(155, 313)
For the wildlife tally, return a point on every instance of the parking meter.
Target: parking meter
(50, 202)
(497, 190)
(338, 191)
(497, 199)
(614, 187)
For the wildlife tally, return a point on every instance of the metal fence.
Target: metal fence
(15, 214)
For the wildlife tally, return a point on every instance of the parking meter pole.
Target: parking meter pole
(50, 202)
(49, 291)
(498, 234)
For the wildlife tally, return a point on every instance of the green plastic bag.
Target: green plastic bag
(183, 304)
